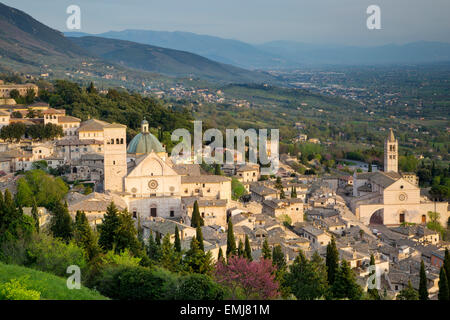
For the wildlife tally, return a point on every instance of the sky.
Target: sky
(257, 21)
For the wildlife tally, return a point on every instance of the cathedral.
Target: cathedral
(152, 185)
(391, 197)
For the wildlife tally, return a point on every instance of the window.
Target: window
(172, 213)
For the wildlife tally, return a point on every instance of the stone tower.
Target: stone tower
(391, 153)
(115, 161)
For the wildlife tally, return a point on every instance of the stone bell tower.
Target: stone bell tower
(115, 157)
(391, 153)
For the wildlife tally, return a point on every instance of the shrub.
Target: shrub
(238, 189)
(136, 283)
(124, 258)
(199, 287)
(16, 289)
(248, 279)
(54, 255)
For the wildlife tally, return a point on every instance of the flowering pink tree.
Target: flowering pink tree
(254, 279)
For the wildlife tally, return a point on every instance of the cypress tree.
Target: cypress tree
(91, 88)
(231, 242)
(177, 242)
(294, 192)
(444, 293)
(61, 224)
(345, 285)
(278, 258)
(2, 212)
(140, 231)
(217, 170)
(170, 259)
(109, 228)
(153, 250)
(196, 261)
(447, 265)
(266, 252)
(126, 235)
(248, 249)
(199, 236)
(196, 220)
(423, 290)
(220, 255)
(240, 248)
(84, 237)
(332, 261)
(307, 279)
(35, 215)
(9, 212)
(158, 239)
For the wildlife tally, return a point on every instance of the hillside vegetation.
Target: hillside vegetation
(50, 286)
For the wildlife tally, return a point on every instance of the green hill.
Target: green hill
(26, 45)
(50, 286)
(26, 40)
(166, 61)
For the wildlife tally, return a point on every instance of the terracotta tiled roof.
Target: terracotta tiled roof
(66, 119)
(92, 125)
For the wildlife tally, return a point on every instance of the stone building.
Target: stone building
(293, 208)
(5, 89)
(390, 197)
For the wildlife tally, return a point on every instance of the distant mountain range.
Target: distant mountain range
(285, 54)
(165, 61)
(26, 44)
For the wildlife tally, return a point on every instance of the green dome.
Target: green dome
(145, 142)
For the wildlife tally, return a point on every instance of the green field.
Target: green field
(50, 286)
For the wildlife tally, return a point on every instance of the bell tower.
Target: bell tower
(115, 157)
(391, 153)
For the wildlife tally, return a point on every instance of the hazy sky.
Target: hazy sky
(257, 21)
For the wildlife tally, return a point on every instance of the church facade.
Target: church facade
(391, 197)
(153, 186)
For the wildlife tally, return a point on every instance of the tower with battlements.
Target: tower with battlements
(115, 153)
